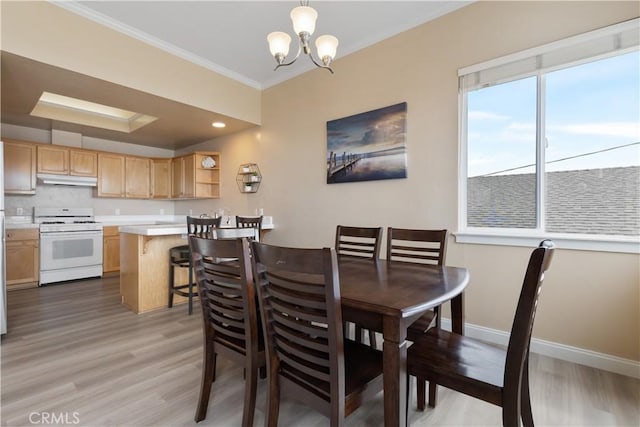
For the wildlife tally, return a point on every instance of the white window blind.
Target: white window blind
(612, 40)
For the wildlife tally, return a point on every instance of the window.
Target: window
(550, 143)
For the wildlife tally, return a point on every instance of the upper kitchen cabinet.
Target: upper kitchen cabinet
(19, 167)
(160, 178)
(83, 162)
(123, 176)
(196, 176)
(181, 171)
(59, 160)
(111, 175)
(53, 159)
(137, 177)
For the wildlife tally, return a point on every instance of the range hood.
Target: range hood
(84, 181)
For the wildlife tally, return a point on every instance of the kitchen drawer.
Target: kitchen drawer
(22, 234)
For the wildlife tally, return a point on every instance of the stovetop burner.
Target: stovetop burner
(56, 220)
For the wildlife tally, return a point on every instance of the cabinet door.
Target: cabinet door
(177, 178)
(22, 263)
(111, 250)
(19, 167)
(161, 179)
(189, 180)
(111, 175)
(83, 163)
(137, 177)
(53, 159)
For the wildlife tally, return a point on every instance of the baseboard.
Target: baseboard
(606, 362)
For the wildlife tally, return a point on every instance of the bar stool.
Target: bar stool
(179, 256)
(250, 222)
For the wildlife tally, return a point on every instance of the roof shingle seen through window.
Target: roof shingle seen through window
(589, 201)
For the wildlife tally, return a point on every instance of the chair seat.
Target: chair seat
(450, 359)
(180, 255)
(420, 326)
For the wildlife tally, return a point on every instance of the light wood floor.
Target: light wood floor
(73, 349)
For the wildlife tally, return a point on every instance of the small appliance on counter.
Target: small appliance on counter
(70, 244)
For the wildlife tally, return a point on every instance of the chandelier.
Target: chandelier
(304, 24)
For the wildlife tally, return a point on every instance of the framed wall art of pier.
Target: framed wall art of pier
(368, 146)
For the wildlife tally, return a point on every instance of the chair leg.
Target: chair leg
(250, 388)
(510, 409)
(208, 376)
(273, 398)
(171, 284)
(433, 387)
(407, 400)
(190, 287)
(525, 398)
(433, 394)
(420, 392)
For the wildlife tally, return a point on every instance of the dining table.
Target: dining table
(387, 296)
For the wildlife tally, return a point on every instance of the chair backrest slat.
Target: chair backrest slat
(361, 242)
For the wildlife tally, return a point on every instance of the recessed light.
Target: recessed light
(218, 124)
(67, 109)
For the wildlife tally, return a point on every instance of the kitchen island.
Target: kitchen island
(144, 264)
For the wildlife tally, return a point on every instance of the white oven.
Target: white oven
(70, 247)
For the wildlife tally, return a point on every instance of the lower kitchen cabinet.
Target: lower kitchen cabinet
(23, 258)
(111, 249)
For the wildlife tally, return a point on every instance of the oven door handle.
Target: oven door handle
(70, 234)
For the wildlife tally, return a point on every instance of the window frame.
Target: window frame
(531, 237)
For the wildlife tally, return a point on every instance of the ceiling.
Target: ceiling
(228, 37)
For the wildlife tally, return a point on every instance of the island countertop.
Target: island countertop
(173, 229)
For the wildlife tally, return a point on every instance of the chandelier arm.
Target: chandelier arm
(284, 64)
(319, 65)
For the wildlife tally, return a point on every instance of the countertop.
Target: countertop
(14, 226)
(177, 228)
(16, 222)
(146, 225)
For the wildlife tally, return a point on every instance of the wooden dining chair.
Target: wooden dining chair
(418, 246)
(427, 247)
(484, 371)
(358, 241)
(307, 357)
(179, 257)
(363, 242)
(230, 316)
(249, 222)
